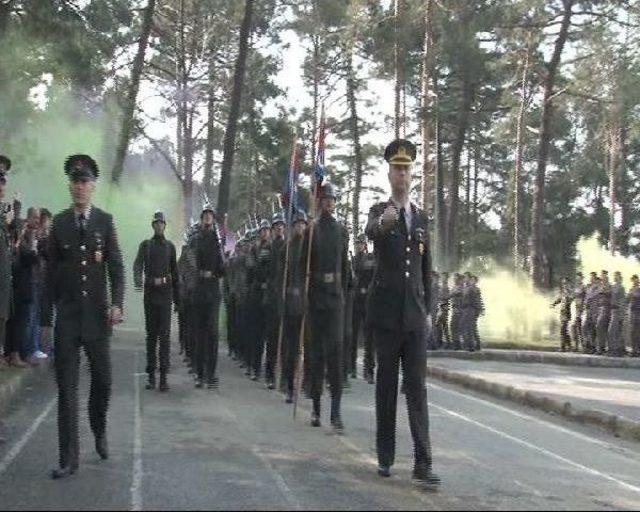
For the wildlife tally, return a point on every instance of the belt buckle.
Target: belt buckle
(207, 274)
(328, 278)
(158, 281)
(363, 291)
(263, 286)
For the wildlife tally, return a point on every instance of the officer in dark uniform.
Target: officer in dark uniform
(443, 336)
(363, 265)
(207, 248)
(399, 309)
(294, 307)
(329, 275)
(156, 259)
(83, 255)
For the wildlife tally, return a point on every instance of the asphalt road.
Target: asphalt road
(239, 448)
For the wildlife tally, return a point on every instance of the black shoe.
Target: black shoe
(384, 471)
(102, 448)
(271, 385)
(423, 476)
(338, 426)
(254, 377)
(164, 385)
(152, 382)
(353, 375)
(63, 472)
(315, 420)
(199, 384)
(289, 399)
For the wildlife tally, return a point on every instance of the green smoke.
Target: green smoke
(38, 152)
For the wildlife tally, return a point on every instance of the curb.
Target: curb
(17, 380)
(619, 426)
(538, 357)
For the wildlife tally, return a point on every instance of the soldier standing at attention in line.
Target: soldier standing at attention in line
(156, 260)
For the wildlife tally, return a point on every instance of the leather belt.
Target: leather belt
(159, 281)
(263, 286)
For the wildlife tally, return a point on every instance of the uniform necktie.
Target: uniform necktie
(82, 219)
(403, 221)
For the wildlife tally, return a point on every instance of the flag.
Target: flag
(290, 192)
(319, 170)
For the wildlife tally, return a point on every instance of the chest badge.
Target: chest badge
(99, 254)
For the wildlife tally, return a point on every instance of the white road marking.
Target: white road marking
(26, 437)
(527, 417)
(286, 491)
(541, 450)
(136, 478)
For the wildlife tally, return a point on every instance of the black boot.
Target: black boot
(164, 385)
(102, 448)
(425, 477)
(62, 472)
(336, 418)
(315, 415)
(152, 381)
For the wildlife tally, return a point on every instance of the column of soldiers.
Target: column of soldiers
(456, 312)
(282, 294)
(593, 317)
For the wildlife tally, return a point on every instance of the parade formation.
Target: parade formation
(296, 303)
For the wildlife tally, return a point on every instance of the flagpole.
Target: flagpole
(285, 277)
(301, 355)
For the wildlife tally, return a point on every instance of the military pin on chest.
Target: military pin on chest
(421, 240)
(99, 254)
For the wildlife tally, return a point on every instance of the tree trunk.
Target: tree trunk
(454, 182)
(427, 65)
(440, 213)
(128, 114)
(397, 68)
(517, 172)
(624, 200)
(234, 111)
(208, 156)
(357, 148)
(316, 100)
(537, 215)
(188, 164)
(614, 138)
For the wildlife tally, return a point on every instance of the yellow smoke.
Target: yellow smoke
(593, 257)
(515, 313)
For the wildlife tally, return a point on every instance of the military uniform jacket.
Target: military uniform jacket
(329, 264)
(578, 298)
(260, 273)
(617, 296)
(444, 296)
(156, 260)
(400, 297)
(79, 272)
(633, 299)
(187, 273)
(276, 275)
(209, 264)
(296, 277)
(364, 267)
(564, 300)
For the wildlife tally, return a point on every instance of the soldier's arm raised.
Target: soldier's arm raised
(374, 230)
